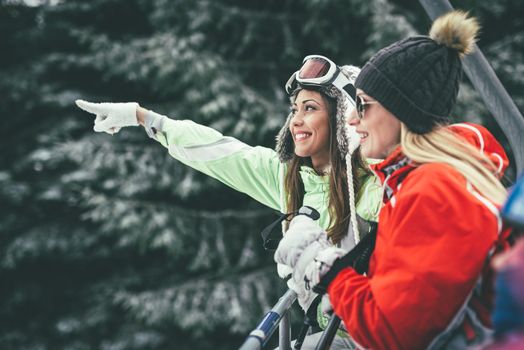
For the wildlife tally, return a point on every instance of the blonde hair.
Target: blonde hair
(443, 146)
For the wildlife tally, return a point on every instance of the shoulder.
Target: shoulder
(431, 186)
(369, 198)
(434, 176)
(440, 188)
(435, 199)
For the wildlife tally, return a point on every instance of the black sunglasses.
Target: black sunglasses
(360, 105)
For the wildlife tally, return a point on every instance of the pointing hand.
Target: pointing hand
(111, 117)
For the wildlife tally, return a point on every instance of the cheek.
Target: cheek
(327, 135)
(322, 127)
(388, 138)
(381, 139)
(394, 132)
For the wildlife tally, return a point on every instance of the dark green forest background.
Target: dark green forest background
(108, 243)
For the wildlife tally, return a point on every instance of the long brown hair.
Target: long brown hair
(338, 203)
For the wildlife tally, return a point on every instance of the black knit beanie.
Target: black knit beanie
(417, 79)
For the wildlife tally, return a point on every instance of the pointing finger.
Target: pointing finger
(95, 108)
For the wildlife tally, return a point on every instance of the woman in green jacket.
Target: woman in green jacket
(308, 166)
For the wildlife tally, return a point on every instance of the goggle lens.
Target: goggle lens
(314, 68)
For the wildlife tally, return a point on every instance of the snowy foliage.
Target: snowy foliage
(108, 242)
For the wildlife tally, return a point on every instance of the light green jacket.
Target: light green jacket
(255, 171)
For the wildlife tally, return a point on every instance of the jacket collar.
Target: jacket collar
(392, 170)
(312, 181)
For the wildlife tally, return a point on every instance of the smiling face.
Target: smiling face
(379, 129)
(309, 127)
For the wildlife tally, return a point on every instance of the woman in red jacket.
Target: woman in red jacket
(428, 282)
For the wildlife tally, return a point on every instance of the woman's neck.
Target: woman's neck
(323, 169)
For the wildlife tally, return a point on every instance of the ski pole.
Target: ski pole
(258, 338)
(488, 85)
(284, 332)
(329, 333)
(352, 258)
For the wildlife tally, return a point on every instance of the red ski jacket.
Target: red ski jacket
(434, 236)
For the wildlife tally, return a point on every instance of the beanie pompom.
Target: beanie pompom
(455, 30)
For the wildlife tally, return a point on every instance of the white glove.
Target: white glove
(111, 117)
(303, 283)
(284, 271)
(297, 249)
(321, 264)
(304, 296)
(302, 241)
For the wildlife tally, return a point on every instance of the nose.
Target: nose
(353, 118)
(297, 120)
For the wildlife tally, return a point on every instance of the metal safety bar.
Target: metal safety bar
(260, 335)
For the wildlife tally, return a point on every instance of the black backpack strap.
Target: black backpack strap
(271, 237)
(367, 228)
(310, 320)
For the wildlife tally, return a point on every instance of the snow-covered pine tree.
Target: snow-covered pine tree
(107, 242)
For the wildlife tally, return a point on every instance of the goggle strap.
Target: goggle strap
(290, 82)
(343, 84)
(351, 90)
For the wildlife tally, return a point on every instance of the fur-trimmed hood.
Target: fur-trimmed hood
(285, 146)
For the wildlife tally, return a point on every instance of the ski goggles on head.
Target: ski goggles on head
(320, 71)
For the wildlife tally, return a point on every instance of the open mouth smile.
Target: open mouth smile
(363, 136)
(302, 136)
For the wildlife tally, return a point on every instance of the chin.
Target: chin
(365, 153)
(302, 154)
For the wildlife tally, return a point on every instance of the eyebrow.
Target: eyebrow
(310, 99)
(294, 104)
